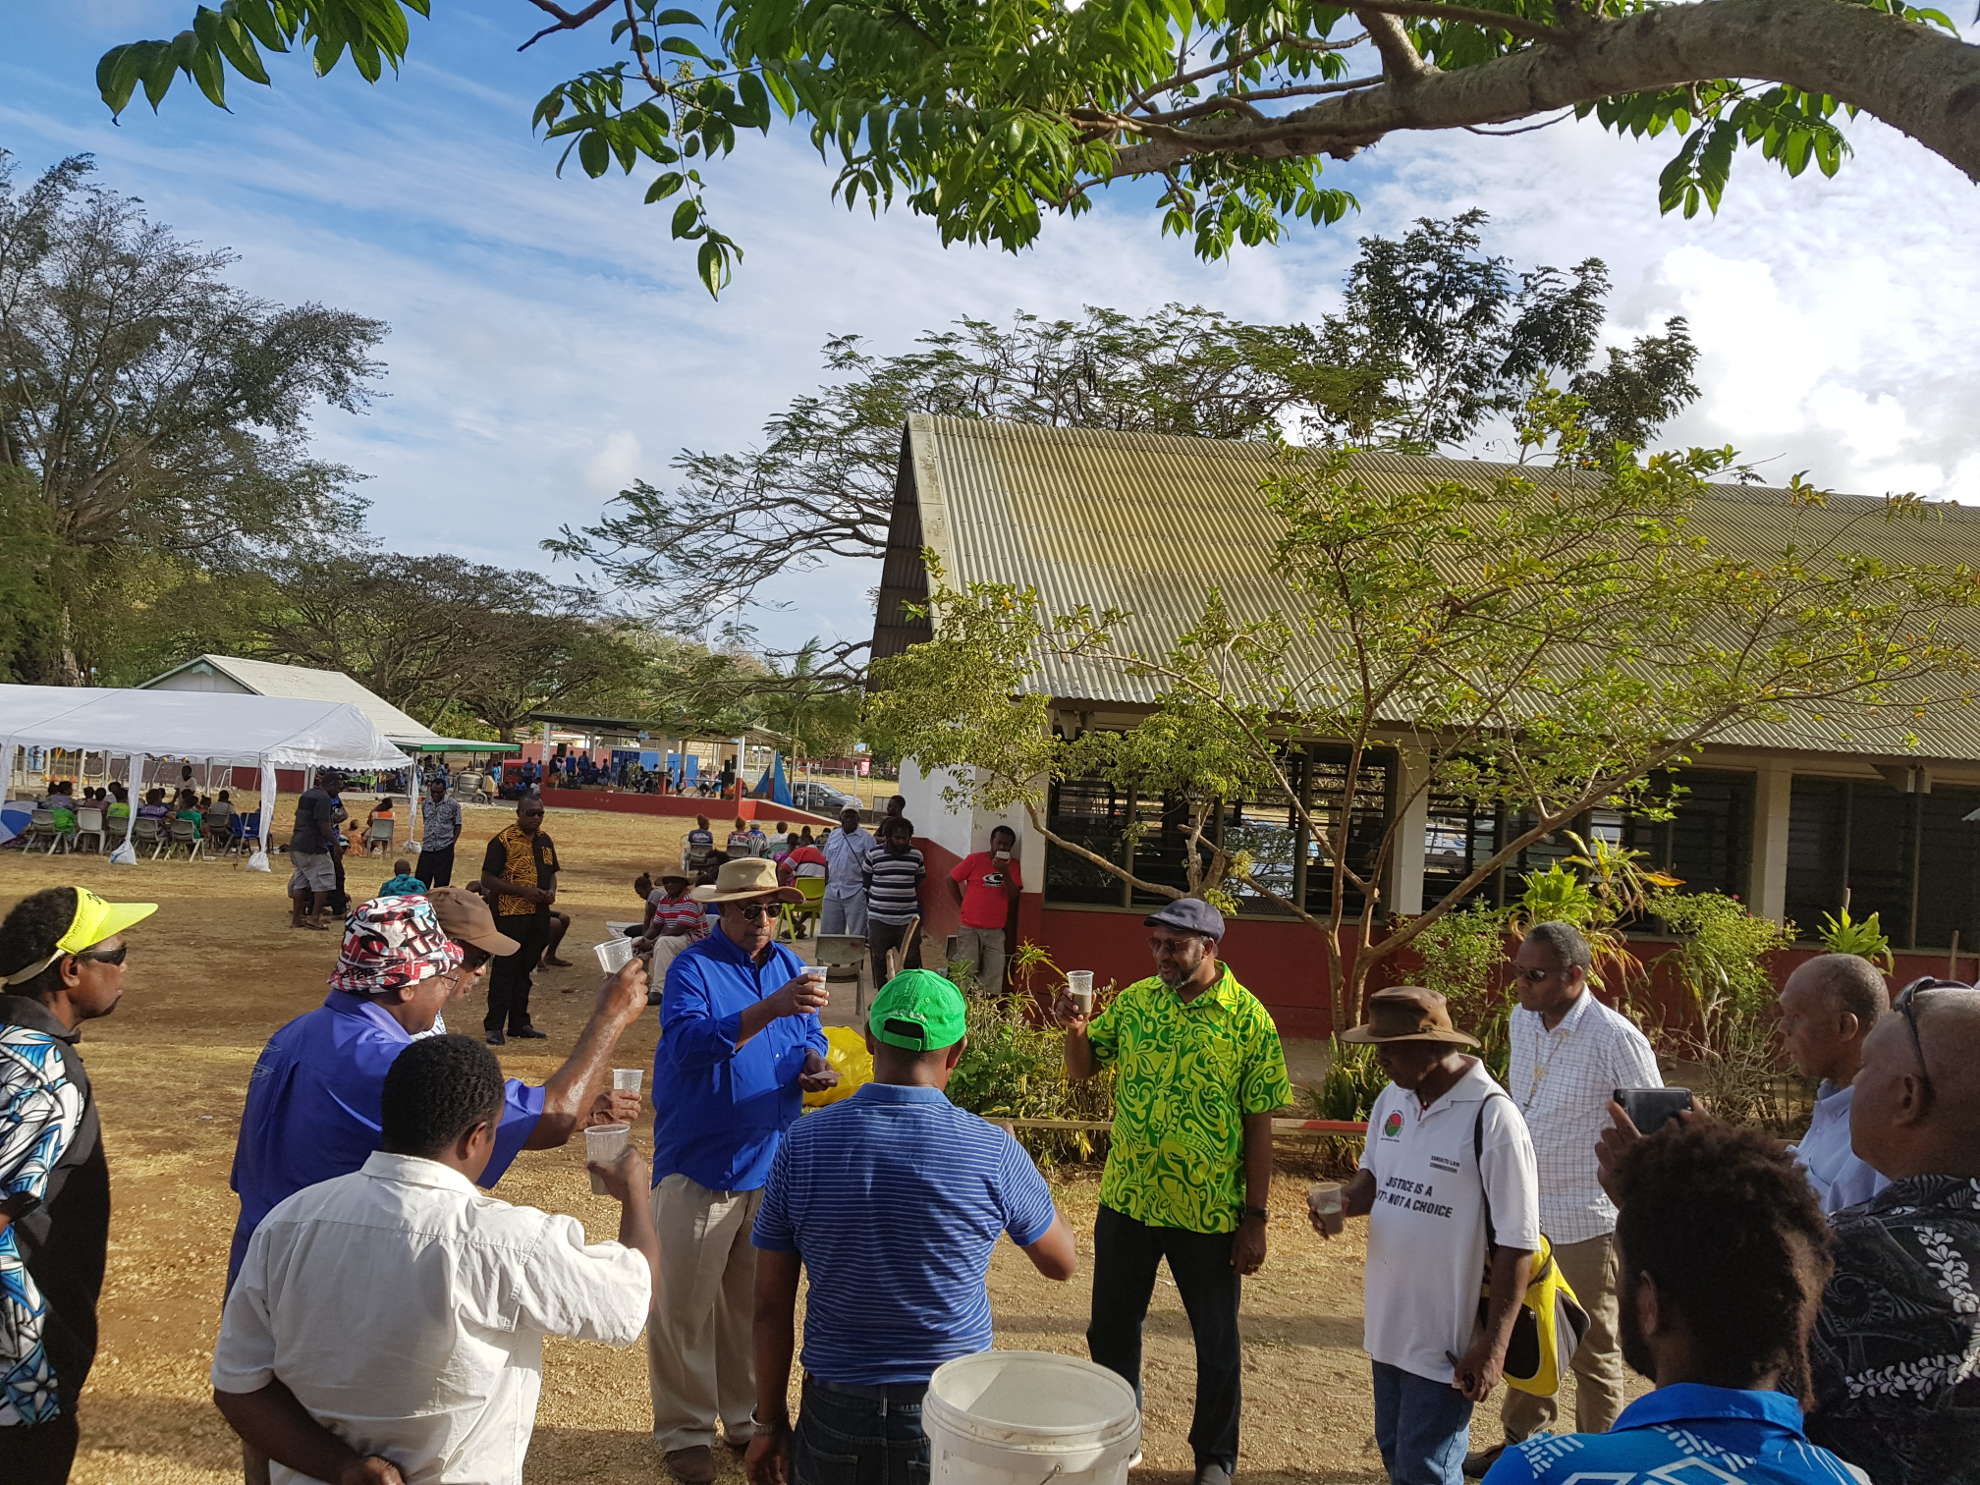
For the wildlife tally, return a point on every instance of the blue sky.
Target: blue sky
(549, 342)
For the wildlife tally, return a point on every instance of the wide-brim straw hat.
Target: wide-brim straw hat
(1407, 1013)
(746, 877)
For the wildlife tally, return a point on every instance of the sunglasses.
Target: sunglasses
(111, 956)
(1535, 976)
(757, 912)
(1906, 1005)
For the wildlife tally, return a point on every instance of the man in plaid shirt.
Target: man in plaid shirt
(1570, 1053)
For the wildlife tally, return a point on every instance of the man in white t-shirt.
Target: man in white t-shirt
(1447, 1169)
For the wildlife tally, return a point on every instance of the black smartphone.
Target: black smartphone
(1650, 1109)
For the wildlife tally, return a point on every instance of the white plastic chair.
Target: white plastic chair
(185, 836)
(146, 831)
(90, 822)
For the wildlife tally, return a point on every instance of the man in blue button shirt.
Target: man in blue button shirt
(890, 1300)
(740, 1046)
(313, 1104)
(1723, 1253)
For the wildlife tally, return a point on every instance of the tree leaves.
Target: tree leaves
(991, 119)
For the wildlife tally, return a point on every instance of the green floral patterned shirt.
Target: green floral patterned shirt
(1186, 1075)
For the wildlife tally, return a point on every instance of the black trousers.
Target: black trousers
(339, 901)
(1126, 1254)
(436, 868)
(882, 939)
(508, 975)
(38, 1453)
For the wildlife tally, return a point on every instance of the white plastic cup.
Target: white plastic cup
(603, 1144)
(816, 971)
(1079, 985)
(1327, 1200)
(614, 954)
(627, 1079)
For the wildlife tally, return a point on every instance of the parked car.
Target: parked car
(823, 799)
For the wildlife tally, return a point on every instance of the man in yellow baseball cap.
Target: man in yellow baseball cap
(62, 954)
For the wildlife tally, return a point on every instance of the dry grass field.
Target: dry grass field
(218, 969)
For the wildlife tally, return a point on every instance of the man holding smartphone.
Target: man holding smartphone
(986, 885)
(1570, 1053)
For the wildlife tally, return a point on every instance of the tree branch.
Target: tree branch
(1402, 63)
(1914, 77)
(566, 21)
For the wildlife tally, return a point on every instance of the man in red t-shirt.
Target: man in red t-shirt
(987, 884)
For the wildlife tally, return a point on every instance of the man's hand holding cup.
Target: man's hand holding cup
(806, 995)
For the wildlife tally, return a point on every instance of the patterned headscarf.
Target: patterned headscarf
(392, 943)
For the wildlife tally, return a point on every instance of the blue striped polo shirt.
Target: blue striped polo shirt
(894, 1199)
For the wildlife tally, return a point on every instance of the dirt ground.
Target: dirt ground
(218, 969)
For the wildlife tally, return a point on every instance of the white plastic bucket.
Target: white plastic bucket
(1026, 1417)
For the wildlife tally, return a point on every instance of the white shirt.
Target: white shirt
(846, 855)
(1426, 1233)
(1562, 1081)
(1839, 1178)
(406, 1311)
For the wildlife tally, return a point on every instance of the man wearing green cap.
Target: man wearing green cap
(61, 964)
(889, 1300)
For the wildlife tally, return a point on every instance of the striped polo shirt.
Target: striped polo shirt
(893, 885)
(894, 1199)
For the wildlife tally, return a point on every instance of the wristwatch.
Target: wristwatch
(1249, 1213)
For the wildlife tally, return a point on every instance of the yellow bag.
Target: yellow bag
(1551, 1321)
(846, 1051)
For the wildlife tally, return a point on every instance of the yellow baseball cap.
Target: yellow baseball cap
(95, 921)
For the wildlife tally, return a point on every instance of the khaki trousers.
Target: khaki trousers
(982, 949)
(1591, 1268)
(664, 951)
(704, 1298)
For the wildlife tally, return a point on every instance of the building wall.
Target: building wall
(199, 678)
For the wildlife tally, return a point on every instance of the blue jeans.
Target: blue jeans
(859, 1435)
(1422, 1427)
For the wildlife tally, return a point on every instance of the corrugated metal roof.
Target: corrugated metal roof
(1148, 523)
(268, 678)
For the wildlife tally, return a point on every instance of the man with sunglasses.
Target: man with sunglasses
(1895, 1357)
(1570, 1053)
(1198, 1070)
(61, 964)
(740, 1046)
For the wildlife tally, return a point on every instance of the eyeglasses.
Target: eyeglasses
(1907, 1005)
(756, 912)
(112, 956)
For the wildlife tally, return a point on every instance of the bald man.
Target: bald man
(1895, 1358)
(1828, 1007)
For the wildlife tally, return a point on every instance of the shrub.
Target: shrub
(1463, 958)
(1015, 1068)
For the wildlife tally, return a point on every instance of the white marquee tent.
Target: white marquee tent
(265, 732)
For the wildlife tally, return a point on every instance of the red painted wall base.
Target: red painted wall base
(679, 806)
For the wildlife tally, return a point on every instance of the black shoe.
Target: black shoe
(530, 1034)
(1476, 1465)
(496, 1039)
(653, 997)
(1213, 1473)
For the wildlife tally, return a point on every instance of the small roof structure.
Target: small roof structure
(655, 731)
(306, 683)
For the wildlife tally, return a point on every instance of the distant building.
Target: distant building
(1784, 819)
(231, 673)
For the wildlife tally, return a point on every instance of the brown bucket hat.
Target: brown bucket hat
(1407, 1013)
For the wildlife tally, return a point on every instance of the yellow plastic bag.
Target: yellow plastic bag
(846, 1050)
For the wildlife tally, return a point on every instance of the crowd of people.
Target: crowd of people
(384, 1312)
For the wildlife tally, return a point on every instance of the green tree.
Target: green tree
(987, 118)
(156, 409)
(1437, 336)
(1545, 640)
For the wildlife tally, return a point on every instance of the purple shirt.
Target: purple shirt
(313, 1108)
